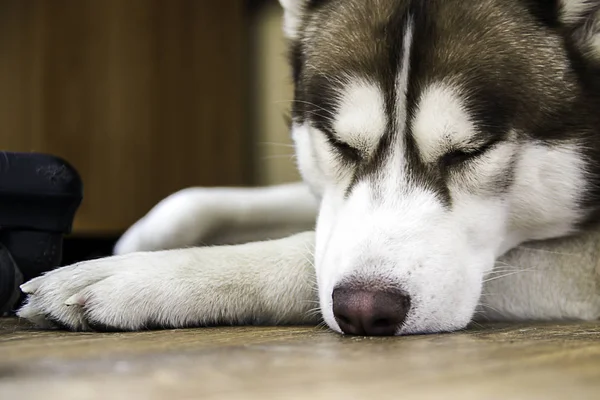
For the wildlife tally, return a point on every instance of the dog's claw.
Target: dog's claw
(31, 287)
(76, 300)
(33, 314)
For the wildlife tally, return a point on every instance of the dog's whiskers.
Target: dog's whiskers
(485, 305)
(336, 79)
(487, 294)
(477, 324)
(307, 103)
(314, 312)
(503, 271)
(311, 302)
(505, 264)
(322, 326)
(327, 118)
(549, 251)
(506, 275)
(277, 144)
(279, 156)
(309, 256)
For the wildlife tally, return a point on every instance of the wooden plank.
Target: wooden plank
(551, 361)
(144, 97)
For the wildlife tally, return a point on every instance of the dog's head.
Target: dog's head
(439, 134)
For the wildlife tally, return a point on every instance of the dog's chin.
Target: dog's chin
(433, 324)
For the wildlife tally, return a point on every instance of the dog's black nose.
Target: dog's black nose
(370, 313)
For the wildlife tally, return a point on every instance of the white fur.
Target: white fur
(292, 17)
(221, 216)
(403, 78)
(572, 11)
(579, 12)
(556, 280)
(547, 189)
(310, 170)
(442, 122)
(361, 119)
(318, 162)
(592, 36)
(264, 282)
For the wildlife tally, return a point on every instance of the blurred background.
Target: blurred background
(146, 97)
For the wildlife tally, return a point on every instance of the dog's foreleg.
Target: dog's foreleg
(271, 282)
(209, 216)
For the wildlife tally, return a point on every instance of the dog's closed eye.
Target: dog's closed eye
(347, 152)
(460, 156)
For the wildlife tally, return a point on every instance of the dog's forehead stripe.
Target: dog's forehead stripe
(401, 90)
(393, 92)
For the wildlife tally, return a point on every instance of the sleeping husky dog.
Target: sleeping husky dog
(434, 139)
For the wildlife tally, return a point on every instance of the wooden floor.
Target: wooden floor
(490, 362)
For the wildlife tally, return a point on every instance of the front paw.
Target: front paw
(116, 293)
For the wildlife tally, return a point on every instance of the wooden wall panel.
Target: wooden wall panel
(144, 97)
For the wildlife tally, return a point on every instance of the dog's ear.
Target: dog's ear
(582, 19)
(293, 14)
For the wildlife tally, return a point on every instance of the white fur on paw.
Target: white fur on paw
(114, 293)
(181, 220)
